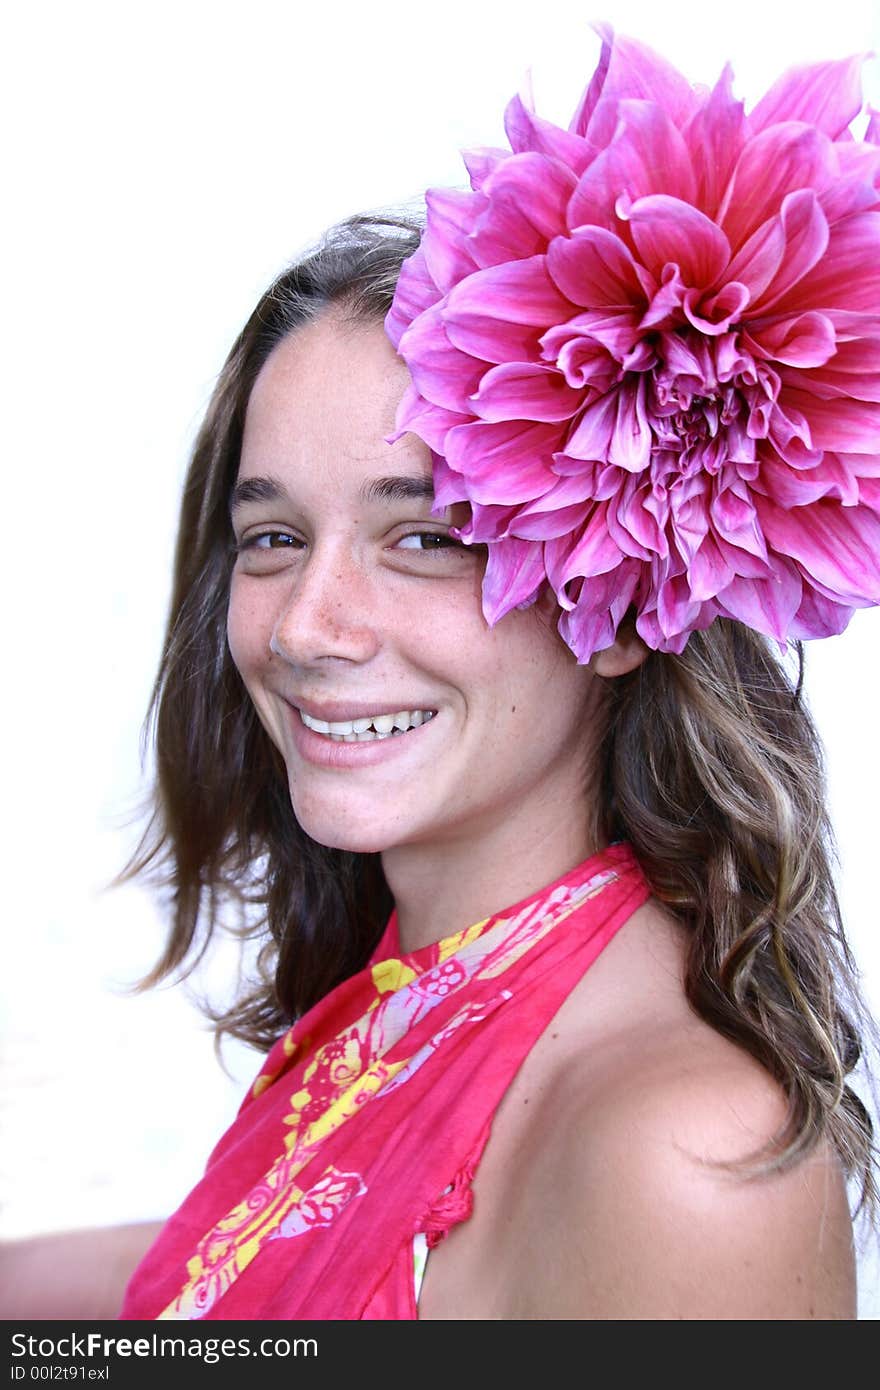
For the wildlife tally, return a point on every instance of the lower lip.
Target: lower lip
(329, 752)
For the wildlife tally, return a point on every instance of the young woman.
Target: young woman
(498, 751)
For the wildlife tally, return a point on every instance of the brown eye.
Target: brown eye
(428, 540)
(267, 552)
(271, 540)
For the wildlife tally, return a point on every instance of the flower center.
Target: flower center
(708, 402)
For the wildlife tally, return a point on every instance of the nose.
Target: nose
(330, 612)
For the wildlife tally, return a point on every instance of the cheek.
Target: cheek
(249, 649)
(544, 689)
(499, 664)
(243, 628)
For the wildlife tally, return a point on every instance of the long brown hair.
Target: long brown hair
(710, 767)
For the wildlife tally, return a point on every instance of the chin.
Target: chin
(353, 842)
(337, 831)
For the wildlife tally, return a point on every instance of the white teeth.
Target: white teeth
(364, 729)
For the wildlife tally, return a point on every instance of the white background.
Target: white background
(164, 162)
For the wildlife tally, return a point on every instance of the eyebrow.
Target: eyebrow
(403, 487)
(254, 490)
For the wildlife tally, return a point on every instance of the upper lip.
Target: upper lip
(338, 711)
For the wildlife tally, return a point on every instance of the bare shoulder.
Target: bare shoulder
(606, 1189)
(649, 1220)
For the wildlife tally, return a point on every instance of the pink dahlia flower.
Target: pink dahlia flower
(646, 350)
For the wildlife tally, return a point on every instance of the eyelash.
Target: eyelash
(253, 542)
(447, 542)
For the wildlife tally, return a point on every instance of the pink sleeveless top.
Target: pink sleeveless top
(366, 1122)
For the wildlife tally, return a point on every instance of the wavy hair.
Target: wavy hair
(710, 767)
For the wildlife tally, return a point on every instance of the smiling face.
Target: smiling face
(355, 622)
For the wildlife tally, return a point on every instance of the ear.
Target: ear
(626, 652)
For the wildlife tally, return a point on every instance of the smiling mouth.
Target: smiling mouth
(368, 729)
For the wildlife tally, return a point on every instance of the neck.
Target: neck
(443, 888)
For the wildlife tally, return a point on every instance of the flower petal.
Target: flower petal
(709, 571)
(767, 605)
(690, 515)
(836, 546)
(514, 576)
(631, 438)
(481, 161)
(666, 229)
(798, 487)
(492, 339)
(594, 268)
(819, 616)
(582, 361)
(541, 521)
(848, 274)
(447, 252)
(805, 236)
(528, 132)
(828, 95)
(628, 68)
(802, 340)
(591, 624)
(527, 199)
(733, 516)
(846, 426)
(590, 551)
(505, 463)
(486, 524)
(648, 155)
(414, 293)
(517, 292)
(717, 131)
(677, 612)
(756, 263)
(632, 524)
(856, 183)
(419, 416)
(713, 314)
(591, 436)
(785, 159)
(583, 112)
(524, 391)
(444, 376)
(616, 330)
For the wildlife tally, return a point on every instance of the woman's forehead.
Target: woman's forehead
(327, 360)
(327, 397)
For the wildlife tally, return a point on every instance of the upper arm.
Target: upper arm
(654, 1230)
(71, 1275)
